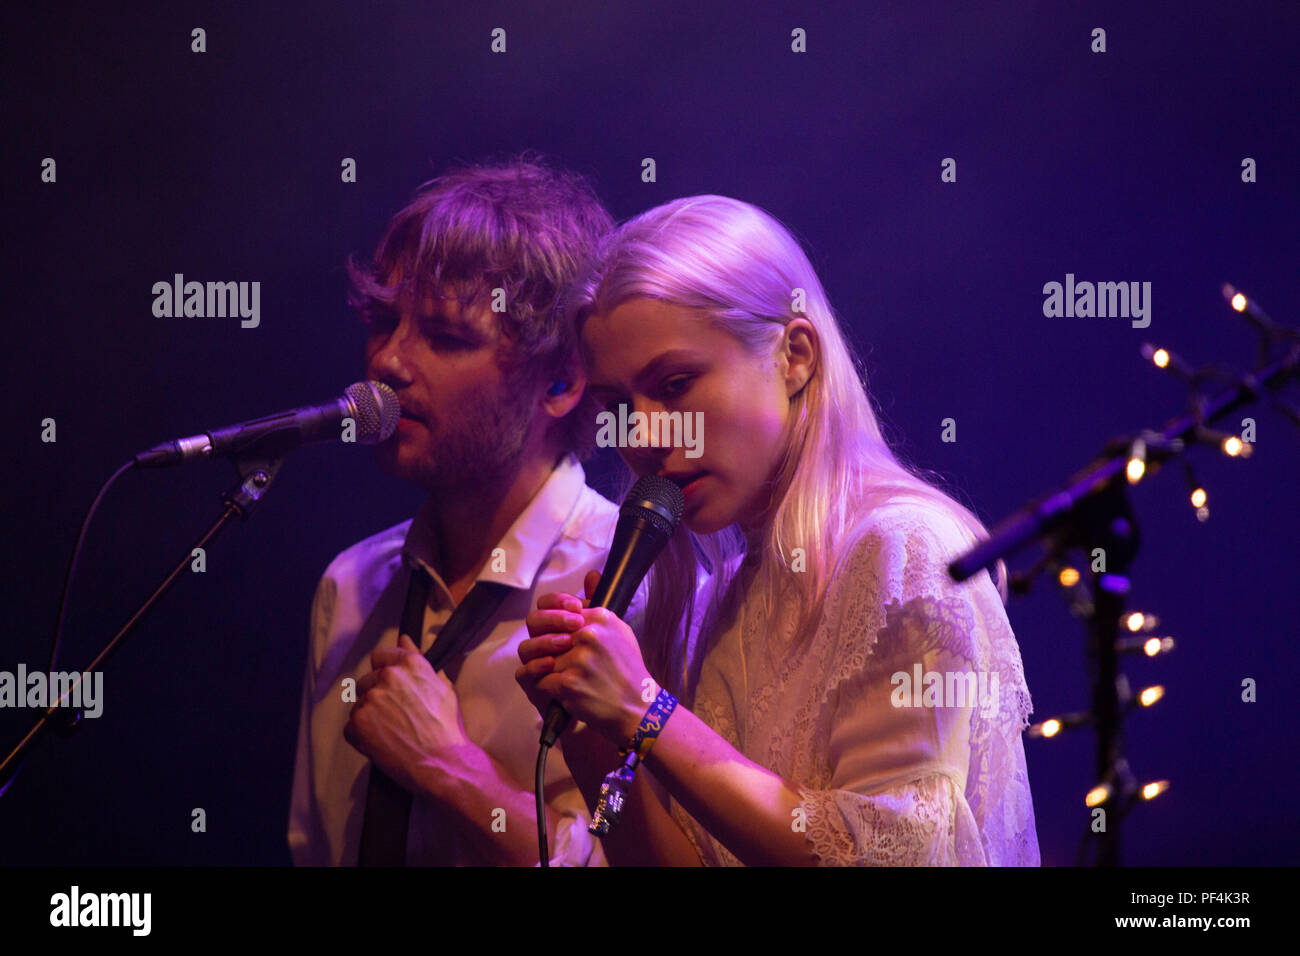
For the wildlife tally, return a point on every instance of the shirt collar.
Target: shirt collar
(524, 546)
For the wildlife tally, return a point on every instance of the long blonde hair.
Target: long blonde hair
(748, 274)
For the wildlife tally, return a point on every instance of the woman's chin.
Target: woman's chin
(704, 521)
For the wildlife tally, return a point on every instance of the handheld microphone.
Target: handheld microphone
(372, 406)
(646, 521)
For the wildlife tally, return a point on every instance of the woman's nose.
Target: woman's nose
(651, 457)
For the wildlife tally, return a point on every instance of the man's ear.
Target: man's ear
(565, 390)
(799, 353)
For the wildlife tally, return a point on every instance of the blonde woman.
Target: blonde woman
(840, 701)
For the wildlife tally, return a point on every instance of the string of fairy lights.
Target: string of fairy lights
(1118, 789)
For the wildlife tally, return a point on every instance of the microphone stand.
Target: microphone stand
(257, 468)
(1092, 511)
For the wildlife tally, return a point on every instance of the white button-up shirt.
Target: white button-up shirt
(563, 533)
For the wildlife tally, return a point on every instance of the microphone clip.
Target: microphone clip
(256, 472)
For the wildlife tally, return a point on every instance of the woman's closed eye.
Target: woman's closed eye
(670, 389)
(676, 386)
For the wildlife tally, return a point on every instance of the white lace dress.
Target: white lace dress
(891, 771)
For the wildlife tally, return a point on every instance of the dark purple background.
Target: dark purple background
(225, 166)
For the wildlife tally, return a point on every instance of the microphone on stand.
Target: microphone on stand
(372, 406)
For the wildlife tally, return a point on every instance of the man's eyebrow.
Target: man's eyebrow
(441, 318)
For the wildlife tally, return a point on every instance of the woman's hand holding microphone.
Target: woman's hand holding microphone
(589, 661)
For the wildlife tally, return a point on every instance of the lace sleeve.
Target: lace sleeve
(912, 824)
(921, 709)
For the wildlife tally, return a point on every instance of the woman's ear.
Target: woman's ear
(799, 349)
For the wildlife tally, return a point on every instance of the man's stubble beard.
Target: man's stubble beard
(481, 449)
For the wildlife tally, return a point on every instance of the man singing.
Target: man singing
(463, 306)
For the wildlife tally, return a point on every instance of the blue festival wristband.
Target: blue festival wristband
(647, 732)
(613, 792)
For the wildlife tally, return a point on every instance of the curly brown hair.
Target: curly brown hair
(522, 226)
